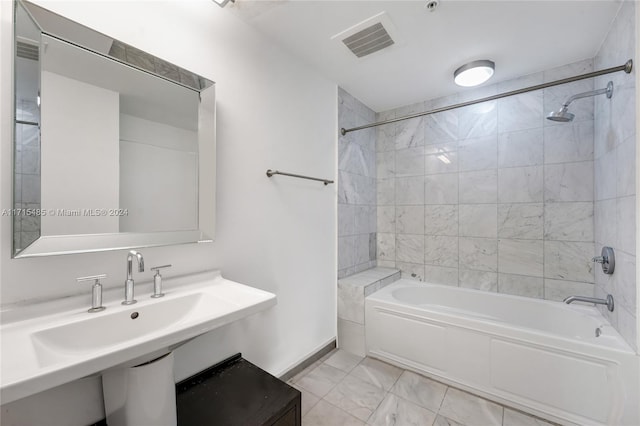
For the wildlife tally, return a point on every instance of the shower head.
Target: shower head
(564, 116)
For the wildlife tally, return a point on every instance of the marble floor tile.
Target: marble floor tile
(356, 397)
(325, 414)
(420, 390)
(328, 354)
(377, 373)
(343, 360)
(321, 379)
(304, 372)
(470, 410)
(309, 400)
(443, 421)
(395, 411)
(381, 394)
(516, 418)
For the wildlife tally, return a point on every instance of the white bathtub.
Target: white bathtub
(539, 356)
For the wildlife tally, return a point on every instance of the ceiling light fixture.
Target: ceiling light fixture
(474, 73)
(223, 3)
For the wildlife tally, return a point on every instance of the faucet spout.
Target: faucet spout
(140, 260)
(608, 301)
(129, 283)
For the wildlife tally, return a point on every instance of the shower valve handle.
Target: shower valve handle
(607, 259)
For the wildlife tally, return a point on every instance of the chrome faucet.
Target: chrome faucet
(608, 301)
(128, 284)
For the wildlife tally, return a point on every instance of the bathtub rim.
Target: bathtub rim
(625, 360)
(385, 296)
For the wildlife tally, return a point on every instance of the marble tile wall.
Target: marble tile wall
(615, 192)
(352, 291)
(356, 188)
(26, 184)
(492, 196)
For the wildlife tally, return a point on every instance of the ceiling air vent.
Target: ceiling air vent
(27, 50)
(369, 36)
(368, 40)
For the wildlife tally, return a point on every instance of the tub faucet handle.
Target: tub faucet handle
(599, 259)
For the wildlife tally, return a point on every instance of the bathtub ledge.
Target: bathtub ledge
(352, 291)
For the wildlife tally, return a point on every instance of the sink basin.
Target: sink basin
(42, 352)
(119, 326)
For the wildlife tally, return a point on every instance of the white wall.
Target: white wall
(80, 155)
(164, 196)
(275, 234)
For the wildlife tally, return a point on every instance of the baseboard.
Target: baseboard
(308, 360)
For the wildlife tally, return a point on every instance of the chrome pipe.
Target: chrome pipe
(608, 301)
(608, 90)
(627, 67)
(270, 173)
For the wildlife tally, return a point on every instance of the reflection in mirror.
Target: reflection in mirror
(26, 187)
(117, 140)
(107, 142)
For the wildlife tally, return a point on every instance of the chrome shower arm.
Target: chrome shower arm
(608, 90)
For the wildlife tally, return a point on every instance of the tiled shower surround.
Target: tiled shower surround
(615, 192)
(497, 198)
(356, 188)
(492, 196)
(26, 229)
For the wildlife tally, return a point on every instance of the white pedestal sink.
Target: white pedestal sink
(39, 352)
(141, 395)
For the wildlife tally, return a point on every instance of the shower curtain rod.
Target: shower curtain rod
(626, 68)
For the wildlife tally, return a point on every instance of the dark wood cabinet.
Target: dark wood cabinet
(236, 392)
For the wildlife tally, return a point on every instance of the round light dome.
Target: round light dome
(474, 73)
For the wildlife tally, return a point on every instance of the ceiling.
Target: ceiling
(520, 36)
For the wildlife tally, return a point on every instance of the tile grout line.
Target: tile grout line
(442, 402)
(458, 196)
(544, 168)
(497, 199)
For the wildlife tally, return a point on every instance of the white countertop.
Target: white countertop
(48, 344)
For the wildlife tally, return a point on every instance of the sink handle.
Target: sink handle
(92, 278)
(157, 281)
(157, 268)
(96, 292)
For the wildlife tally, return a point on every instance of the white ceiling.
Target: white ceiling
(521, 36)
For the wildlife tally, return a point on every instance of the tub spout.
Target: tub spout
(608, 301)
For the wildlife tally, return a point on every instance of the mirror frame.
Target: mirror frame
(88, 243)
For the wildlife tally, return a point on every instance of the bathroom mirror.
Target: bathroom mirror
(113, 147)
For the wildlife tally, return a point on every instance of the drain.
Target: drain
(135, 315)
